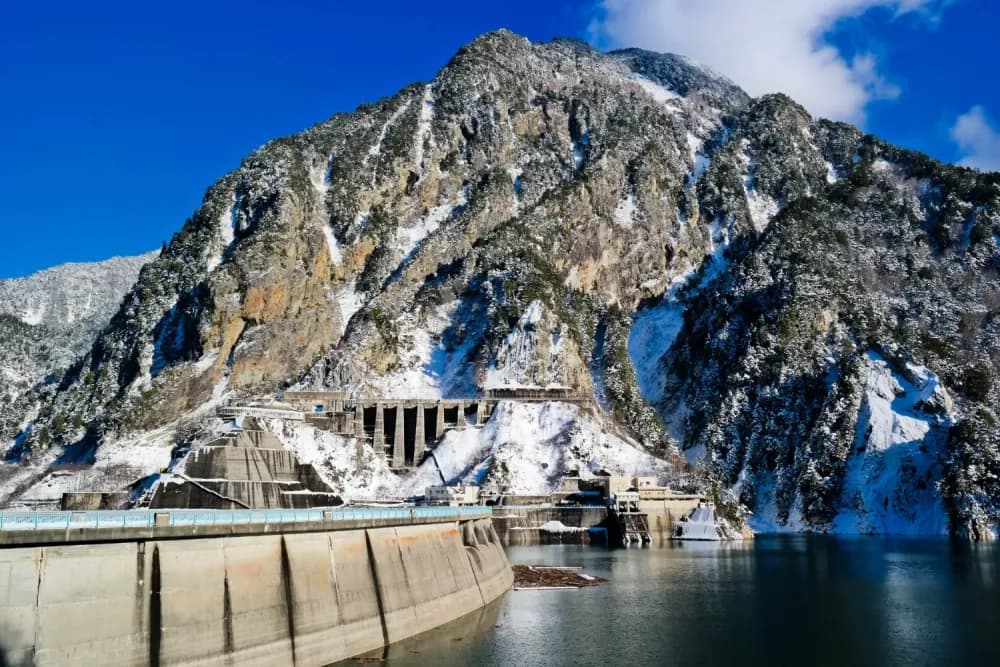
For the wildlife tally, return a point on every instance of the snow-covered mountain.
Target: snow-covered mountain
(807, 313)
(50, 318)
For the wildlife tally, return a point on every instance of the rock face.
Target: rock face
(724, 274)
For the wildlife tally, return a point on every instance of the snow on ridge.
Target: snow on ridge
(529, 356)
(320, 178)
(530, 446)
(409, 238)
(698, 157)
(831, 173)
(226, 223)
(376, 148)
(427, 368)
(332, 245)
(350, 301)
(762, 207)
(898, 453)
(661, 94)
(424, 125)
(64, 296)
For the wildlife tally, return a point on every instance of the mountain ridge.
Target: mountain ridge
(517, 214)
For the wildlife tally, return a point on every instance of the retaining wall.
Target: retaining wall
(519, 525)
(298, 599)
(663, 514)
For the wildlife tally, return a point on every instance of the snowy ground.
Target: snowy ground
(427, 367)
(898, 452)
(525, 446)
(890, 481)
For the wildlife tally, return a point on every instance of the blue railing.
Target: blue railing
(148, 518)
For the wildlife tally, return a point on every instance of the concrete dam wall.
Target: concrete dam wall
(297, 598)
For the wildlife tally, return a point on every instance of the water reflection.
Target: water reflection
(779, 600)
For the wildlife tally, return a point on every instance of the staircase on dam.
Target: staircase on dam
(246, 468)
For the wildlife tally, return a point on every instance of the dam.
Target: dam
(404, 430)
(238, 587)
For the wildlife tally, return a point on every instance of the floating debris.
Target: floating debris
(547, 578)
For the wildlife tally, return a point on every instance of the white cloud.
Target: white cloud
(979, 141)
(763, 45)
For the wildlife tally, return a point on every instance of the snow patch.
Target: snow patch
(34, 316)
(424, 125)
(624, 215)
(528, 447)
(762, 207)
(427, 368)
(662, 95)
(698, 158)
(376, 148)
(831, 173)
(332, 245)
(653, 331)
(530, 355)
(321, 177)
(408, 238)
(227, 232)
(350, 301)
(899, 449)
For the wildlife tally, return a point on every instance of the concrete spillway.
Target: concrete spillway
(310, 597)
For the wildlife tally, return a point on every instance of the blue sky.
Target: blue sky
(116, 117)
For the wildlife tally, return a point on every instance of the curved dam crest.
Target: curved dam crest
(296, 598)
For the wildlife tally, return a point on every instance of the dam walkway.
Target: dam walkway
(20, 528)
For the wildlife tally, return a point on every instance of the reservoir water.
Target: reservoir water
(777, 600)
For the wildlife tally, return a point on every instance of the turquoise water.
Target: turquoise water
(795, 600)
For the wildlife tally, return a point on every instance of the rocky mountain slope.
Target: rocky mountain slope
(806, 311)
(49, 319)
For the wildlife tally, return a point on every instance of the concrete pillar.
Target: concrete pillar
(419, 436)
(359, 421)
(398, 444)
(460, 422)
(439, 422)
(481, 415)
(379, 442)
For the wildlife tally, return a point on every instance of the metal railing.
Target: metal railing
(230, 411)
(10, 521)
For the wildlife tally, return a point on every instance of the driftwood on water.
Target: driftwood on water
(527, 577)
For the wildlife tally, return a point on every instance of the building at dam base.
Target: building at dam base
(302, 598)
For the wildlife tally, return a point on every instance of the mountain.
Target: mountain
(807, 313)
(49, 319)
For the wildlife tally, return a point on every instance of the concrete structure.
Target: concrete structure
(403, 429)
(248, 468)
(663, 514)
(310, 597)
(94, 500)
(455, 496)
(518, 525)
